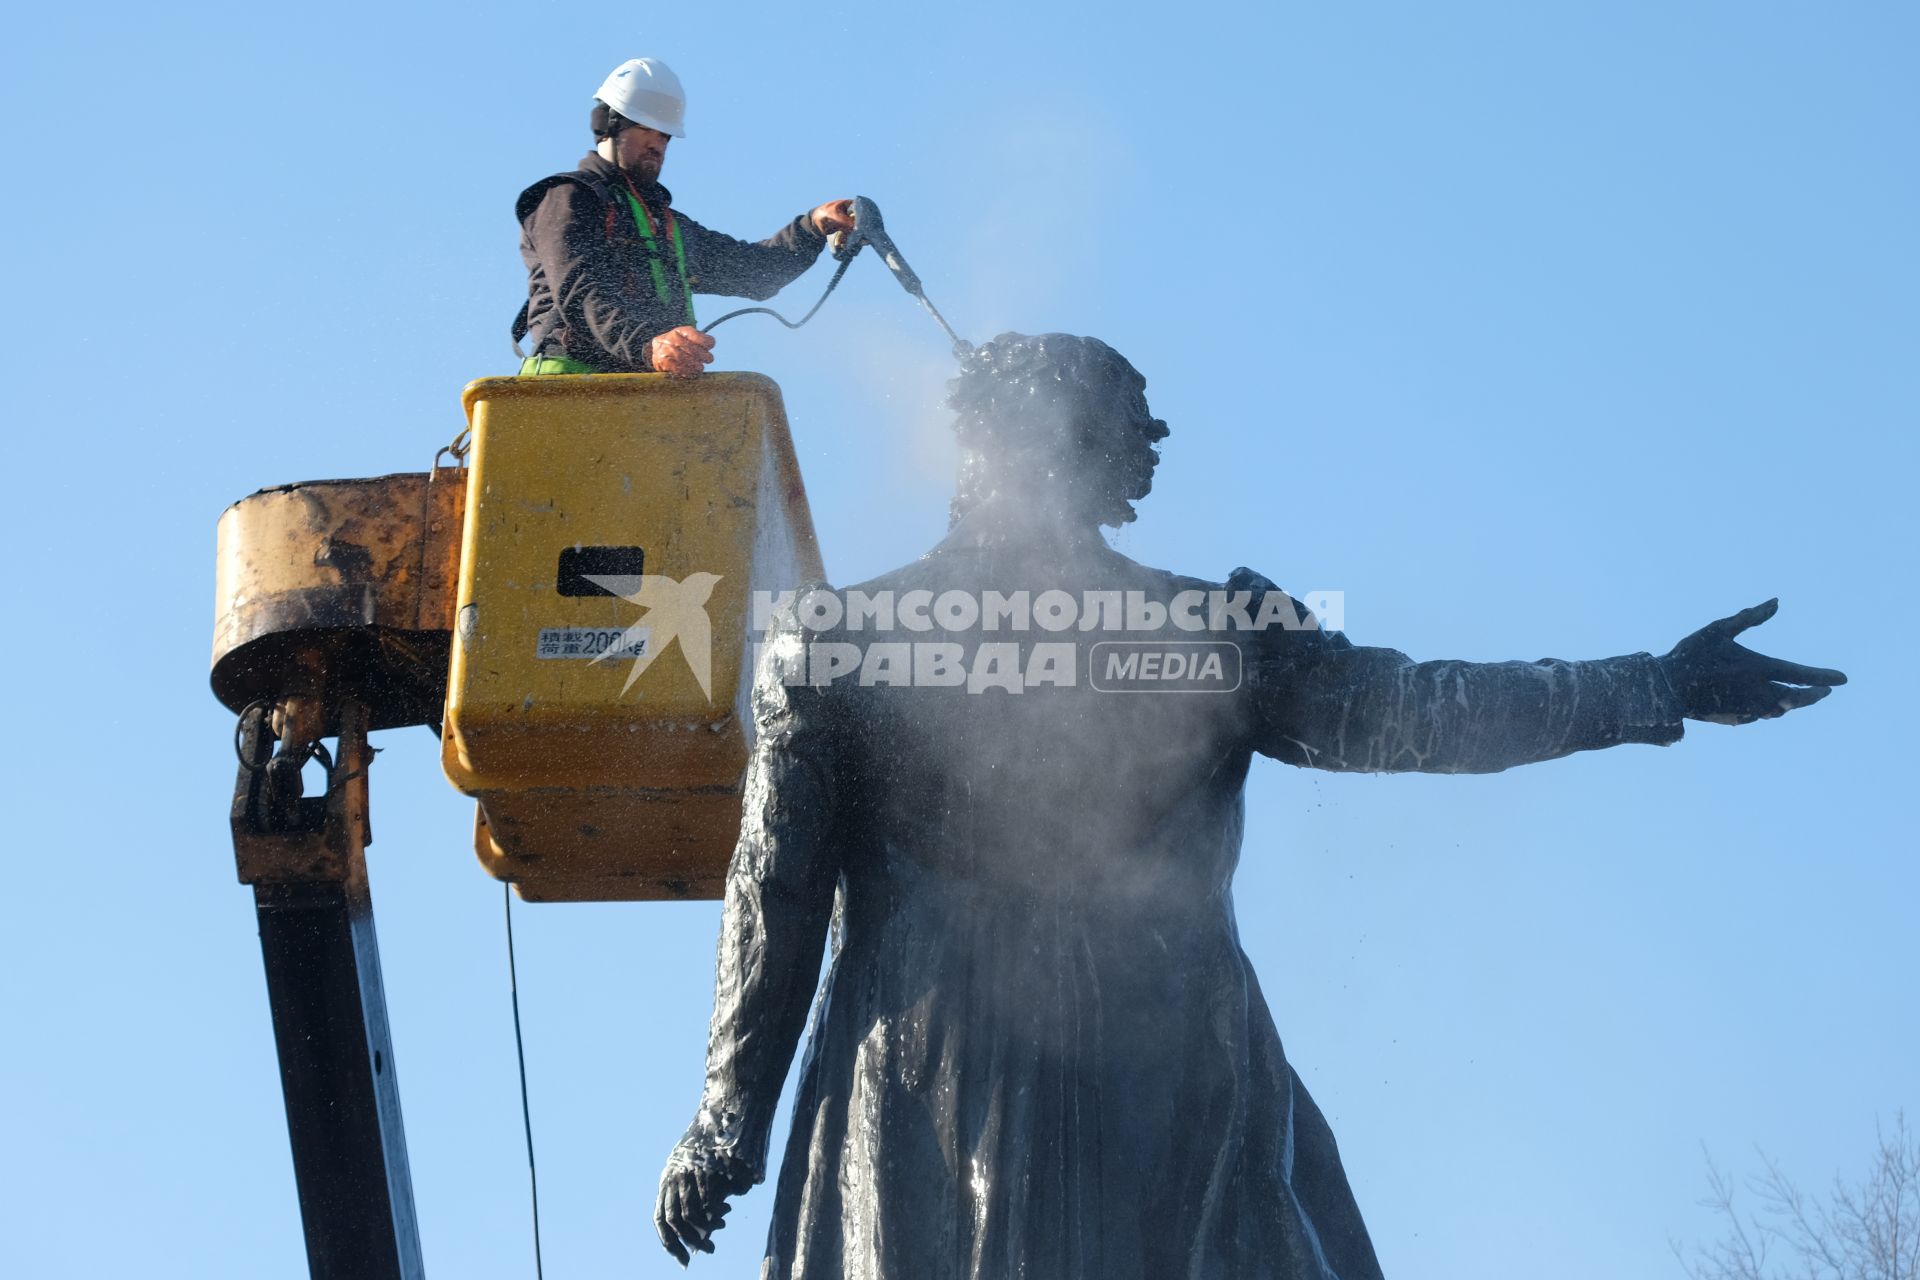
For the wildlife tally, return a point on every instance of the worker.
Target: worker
(612, 266)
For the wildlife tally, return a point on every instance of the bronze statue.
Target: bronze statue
(1040, 1051)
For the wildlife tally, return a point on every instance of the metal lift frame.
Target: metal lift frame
(305, 859)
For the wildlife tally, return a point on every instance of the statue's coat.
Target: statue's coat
(1041, 1051)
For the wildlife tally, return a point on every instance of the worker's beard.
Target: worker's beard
(646, 169)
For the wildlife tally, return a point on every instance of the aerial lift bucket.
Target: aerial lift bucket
(573, 611)
(618, 531)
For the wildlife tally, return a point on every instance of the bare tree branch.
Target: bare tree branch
(1865, 1230)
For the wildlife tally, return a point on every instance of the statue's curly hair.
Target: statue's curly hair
(1033, 406)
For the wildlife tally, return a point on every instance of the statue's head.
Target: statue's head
(1054, 421)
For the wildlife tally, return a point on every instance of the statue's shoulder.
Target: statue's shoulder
(1279, 624)
(1165, 585)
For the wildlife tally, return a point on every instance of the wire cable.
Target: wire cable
(526, 1112)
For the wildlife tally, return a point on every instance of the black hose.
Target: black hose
(710, 326)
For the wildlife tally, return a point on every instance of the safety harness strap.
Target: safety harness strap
(643, 220)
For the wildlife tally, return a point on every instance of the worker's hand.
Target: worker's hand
(1727, 683)
(834, 215)
(693, 1196)
(681, 352)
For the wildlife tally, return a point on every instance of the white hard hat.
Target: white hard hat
(646, 91)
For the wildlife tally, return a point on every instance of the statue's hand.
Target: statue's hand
(693, 1195)
(1727, 683)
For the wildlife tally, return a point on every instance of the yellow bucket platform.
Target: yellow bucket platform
(617, 528)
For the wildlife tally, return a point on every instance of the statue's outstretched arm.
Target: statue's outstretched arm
(1321, 701)
(779, 901)
(1358, 709)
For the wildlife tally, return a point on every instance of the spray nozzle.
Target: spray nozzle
(870, 228)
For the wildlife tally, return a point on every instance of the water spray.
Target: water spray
(868, 229)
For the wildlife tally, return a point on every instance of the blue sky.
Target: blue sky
(1536, 329)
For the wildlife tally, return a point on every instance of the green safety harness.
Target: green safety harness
(643, 219)
(649, 235)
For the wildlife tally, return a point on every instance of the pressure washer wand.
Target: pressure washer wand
(961, 347)
(870, 228)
